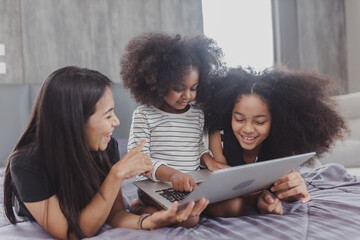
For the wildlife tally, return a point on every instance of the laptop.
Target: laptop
(224, 183)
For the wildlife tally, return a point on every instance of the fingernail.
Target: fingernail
(272, 189)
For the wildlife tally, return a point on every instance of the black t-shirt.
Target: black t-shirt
(232, 150)
(30, 180)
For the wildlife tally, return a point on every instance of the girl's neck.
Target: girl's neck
(250, 156)
(167, 108)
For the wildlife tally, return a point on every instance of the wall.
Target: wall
(41, 36)
(352, 10)
(311, 36)
(10, 35)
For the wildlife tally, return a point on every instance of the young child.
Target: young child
(272, 114)
(171, 77)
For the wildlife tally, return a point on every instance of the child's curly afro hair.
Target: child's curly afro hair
(153, 61)
(305, 117)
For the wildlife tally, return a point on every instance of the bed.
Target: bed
(332, 213)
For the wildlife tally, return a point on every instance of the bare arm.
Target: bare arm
(291, 187)
(119, 217)
(218, 161)
(49, 215)
(180, 181)
(216, 147)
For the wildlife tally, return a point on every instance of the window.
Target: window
(243, 29)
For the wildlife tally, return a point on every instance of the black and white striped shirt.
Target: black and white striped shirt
(175, 140)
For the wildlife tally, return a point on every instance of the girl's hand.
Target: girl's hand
(182, 182)
(291, 187)
(133, 163)
(167, 217)
(213, 165)
(267, 204)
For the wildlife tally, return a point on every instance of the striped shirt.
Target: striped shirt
(174, 140)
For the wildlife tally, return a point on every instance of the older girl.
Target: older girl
(271, 114)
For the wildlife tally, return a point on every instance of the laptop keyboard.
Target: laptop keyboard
(173, 195)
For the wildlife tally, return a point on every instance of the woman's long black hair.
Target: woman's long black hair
(55, 131)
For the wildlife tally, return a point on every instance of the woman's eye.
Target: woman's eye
(259, 123)
(193, 89)
(239, 120)
(108, 117)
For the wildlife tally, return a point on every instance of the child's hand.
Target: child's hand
(213, 165)
(291, 187)
(267, 204)
(182, 182)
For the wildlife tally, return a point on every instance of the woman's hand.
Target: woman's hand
(167, 217)
(182, 182)
(267, 204)
(133, 163)
(291, 187)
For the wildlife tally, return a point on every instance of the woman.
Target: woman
(64, 171)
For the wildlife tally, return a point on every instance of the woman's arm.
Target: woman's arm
(49, 215)
(119, 217)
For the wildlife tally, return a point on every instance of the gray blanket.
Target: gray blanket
(332, 213)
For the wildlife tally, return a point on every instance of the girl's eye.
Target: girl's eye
(193, 89)
(177, 89)
(259, 123)
(239, 120)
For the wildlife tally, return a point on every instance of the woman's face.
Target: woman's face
(178, 97)
(101, 124)
(251, 122)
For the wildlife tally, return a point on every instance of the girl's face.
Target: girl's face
(178, 97)
(251, 122)
(101, 124)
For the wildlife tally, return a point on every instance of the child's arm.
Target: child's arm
(216, 147)
(219, 161)
(210, 163)
(291, 187)
(180, 181)
(139, 130)
(267, 204)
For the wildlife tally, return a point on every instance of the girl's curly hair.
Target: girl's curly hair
(304, 115)
(153, 61)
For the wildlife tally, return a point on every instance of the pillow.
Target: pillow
(346, 153)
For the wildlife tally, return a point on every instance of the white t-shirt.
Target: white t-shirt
(174, 140)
